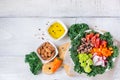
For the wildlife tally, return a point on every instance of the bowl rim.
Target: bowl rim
(56, 53)
(59, 21)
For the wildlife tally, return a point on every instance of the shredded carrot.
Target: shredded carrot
(102, 51)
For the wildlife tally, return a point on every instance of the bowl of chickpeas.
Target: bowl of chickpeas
(47, 51)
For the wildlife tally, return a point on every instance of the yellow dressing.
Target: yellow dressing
(56, 30)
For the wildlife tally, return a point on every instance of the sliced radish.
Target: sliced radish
(97, 60)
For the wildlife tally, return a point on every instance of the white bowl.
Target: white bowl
(56, 53)
(66, 30)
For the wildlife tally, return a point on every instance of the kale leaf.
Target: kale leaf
(34, 62)
(75, 29)
(115, 51)
(96, 70)
(108, 37)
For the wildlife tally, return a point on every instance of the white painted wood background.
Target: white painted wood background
(21, 19)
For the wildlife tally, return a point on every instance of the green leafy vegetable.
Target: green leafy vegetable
(110, 63)
(107, 36)
(34, 62)
(109, 59)
(115, 51)
(96, 70)
(75, 29)
(76, 32)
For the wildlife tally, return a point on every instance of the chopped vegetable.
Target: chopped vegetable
(100, 46)
(87, 69)
(99, 60)
(85, 61)
(102, 51)
(34, 62)
(94, 39)
(103, 43)
(85, 46)
(89, 36)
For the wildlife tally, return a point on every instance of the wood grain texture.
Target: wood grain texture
(59, 8)
(14, 68)
(19, 36)
(23, 23)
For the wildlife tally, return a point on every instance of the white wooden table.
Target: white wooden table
(20, 21)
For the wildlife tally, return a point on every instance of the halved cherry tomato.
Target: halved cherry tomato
(97, 44)
(89, 36)
(93, 39)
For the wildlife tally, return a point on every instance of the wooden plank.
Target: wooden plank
(59, 8)
(14, 68)
(19, 36)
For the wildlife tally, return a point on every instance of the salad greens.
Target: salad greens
(75, 29)
(76, 32)
(107, 36)
(34, 62)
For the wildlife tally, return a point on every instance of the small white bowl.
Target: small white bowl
(66, 30)
(56, 53)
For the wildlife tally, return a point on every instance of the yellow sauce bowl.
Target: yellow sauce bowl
(57, 30)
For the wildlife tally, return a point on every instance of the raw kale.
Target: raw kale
(34, 62)
(78, 68)
(96, 70)
(75, 29)
(110, 63)
(107, 36)
(75, 43)
(115, 51)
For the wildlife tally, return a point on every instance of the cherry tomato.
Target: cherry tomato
(89, 36)
(97, 44)
(93, 39)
